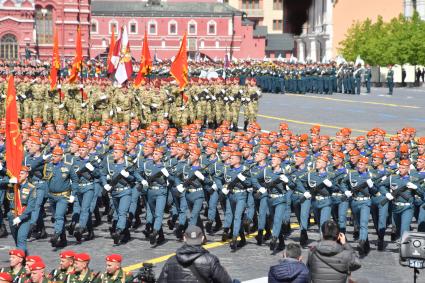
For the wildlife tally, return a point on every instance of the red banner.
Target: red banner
(55, 63)
(179, 69)
(78, 59)
(145, 63)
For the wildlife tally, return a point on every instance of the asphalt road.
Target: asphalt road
(404, 108)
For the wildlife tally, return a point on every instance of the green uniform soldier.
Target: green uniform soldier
(16, 267)
(66, 267)
(82, 273)
(114, 273)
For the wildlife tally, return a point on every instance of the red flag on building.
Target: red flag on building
(179, 69)
(55, 62)
(111, 52)
(14, 148)
(78, 59)
(121, 59)
(145, 63)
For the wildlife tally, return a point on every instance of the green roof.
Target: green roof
(163, 9)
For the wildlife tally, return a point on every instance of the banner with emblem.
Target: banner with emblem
(121, 58)
(14, 147)
(111, 52)
(145, 63)
(78, 59)
(55, 67)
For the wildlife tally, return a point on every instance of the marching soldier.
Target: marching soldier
(390, 79)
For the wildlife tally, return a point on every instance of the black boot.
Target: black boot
(71, 228)
(234, 244)
(161, 238)
(355, 235)
(245, 125)
(273, 244)
(152, 237)
(116, 236)
(89, 236)
(54, 240)
(113, 228)
(259, 237)
(218, 223)
(125, 236)
(286, 228)
(148, 230)
(268, 235)
(225, 235)
(381, 241)
(247, 225)
(208, 226)
(3, 231)
(235, 128)
(242, 242)
(78, 234)
(303, 238)
(137, 223)
(180, 232)
(97, 218)
(281, 245)
(171, 223)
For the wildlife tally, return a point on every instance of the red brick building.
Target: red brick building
(213, 28)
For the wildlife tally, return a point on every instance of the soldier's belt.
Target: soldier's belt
(85, 184)
(378, 194)
(418, 197)
(38, 182)
(361, 198)
(298, 193)
(238, 191)
(402, 203)
(276, 195)
(320, 197)
(61, 194)
(337, 194)
(120, 189)
(195, 190)
(154, 187)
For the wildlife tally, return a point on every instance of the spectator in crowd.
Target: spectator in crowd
(291, 268)
(193, 263)
(332, 259)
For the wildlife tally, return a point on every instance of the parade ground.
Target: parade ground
(360, 113)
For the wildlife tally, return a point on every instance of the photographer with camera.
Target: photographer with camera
(192, 263)
(332, 259)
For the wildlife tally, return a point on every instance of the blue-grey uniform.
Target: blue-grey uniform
(256, 173)
(156, 175)
(119, 178)
(390, 81)
(379, 211)
(235, 187)
(320, 187)
(88, 174)
(36, 163)
(250, 203)
(59, 188)
(368, 79)
(339, 199)
(3, 186)
(179, 198)
(20, 231)
(359, 186)
(419, 202)
(214, 169)
(193, 179)
(298, 183)
(171, 164)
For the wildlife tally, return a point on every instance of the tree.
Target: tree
(399, 41)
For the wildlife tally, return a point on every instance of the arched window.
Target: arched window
(44, 25)
(94, 26)
(113, 25)
(172, 27)
(132, 27)
(211, 27)
(152, 28)
(192, 27)
(8, 47)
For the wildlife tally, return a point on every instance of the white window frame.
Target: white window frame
(129, 27)
(110, 24)
(149, 27)
(93, 21)
(192, 22)
(215, 27)
(173, 22)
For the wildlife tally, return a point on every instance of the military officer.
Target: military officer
(368, 78)
(82, 272)
(390, 79)
(66, 267)
(16, 267)
(38, 273)
(114, 273)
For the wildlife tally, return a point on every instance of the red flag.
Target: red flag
(121, 58)
(111, 52)
(78, 59)
(14, 148)
(145, 63)
(55, 62)
(179, 69)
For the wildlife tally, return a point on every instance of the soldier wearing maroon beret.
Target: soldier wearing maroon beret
(114, 273)
(16, 267)
(66, 266)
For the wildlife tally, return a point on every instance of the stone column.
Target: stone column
(301, 51)
(313, 50)
(328, 49)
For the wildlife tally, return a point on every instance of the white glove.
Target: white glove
(213, 97)
(199, 175)
(262, 190)
(154, 105)
(16, 221)
(103, 97)
(231, 98)
(107, 187)
(90, 167)
(249, 190)
(182, 108)
(124, 173)
(248, 99)
(307, 195)
(327, 183)
(1, 166)
(145, 183)
(61, 106)
(165, 172)
(81, 86)
(119, 109)
(225, 191)
(384, 178)
(369, 183)
(132, 114)
(412, 186)
(59, 86)
(180, 188)
(207, 97)
(389, 196)
(165, 115)
(226, 98)
(13, 180)
(23, 96)
(348, 194)
(283, 178)
(83, 105)
(71, 199)
(46, 156)
(214, 187)
(241, 177)
(111, 113)
(196, 97)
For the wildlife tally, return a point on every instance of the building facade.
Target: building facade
(329, 20)
(213, 29)
(410, 6)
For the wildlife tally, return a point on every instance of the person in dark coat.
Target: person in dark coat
(192, 263)
(332, 259)
(291, 268)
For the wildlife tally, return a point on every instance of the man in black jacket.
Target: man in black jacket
(291, 268)
(332, 259)
(192, 263)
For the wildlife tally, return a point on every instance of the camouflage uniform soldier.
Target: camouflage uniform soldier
(123, 101)
(100, 103)
(37, 104)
